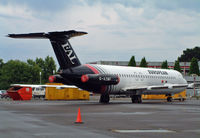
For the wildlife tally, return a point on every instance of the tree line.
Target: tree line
(189, 55)
(20, 72)
(16, 71)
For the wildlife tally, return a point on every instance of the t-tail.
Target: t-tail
(65, 54)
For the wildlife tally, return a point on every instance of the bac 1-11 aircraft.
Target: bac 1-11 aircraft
(106, 79)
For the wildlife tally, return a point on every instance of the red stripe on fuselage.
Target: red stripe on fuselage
(92, 68)
(103, 87)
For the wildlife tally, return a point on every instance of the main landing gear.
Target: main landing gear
(105, 98)
(136, 98)
(169, 97)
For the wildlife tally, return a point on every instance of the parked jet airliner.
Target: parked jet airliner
(106, 79)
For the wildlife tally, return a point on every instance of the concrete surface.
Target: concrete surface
(120, 118)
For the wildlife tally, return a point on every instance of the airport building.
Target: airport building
(185, 66)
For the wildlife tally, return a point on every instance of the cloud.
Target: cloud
(41, 5)
(117, 28)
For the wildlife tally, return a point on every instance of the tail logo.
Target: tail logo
(69, 51)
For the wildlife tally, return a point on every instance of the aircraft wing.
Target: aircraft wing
(133, 88)
(155, 87)
(44, 86)
(192, 85)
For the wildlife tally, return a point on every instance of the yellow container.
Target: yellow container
(180, 95)
(65, 94)
(175, 96)
(84, 95)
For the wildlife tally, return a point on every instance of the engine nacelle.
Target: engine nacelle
(56, 79)
(102, 79)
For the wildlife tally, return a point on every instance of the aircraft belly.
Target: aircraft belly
(164, 91)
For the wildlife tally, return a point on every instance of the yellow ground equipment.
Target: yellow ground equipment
(179, 96)
(65, 94)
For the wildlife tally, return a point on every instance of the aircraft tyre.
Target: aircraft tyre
(105, 98)
(136, 99)
(169, 99)
(181, 99)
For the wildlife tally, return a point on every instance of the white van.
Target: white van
(38, 92)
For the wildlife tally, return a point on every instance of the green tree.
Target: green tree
(164, 65)
(15, 71)
(177, 66)
(34, 70)
(188, 54)
(49, 68)
(194, 67)
(132, 62)
(143, 62)
(1, 63)
(31, 62)
(40, 63)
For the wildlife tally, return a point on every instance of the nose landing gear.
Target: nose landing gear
(136, 99)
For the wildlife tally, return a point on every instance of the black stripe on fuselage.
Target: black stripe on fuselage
(109, 88)
(102, 71)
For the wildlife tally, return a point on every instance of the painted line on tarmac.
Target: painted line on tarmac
(144, 131)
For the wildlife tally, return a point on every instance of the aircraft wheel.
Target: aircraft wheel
(181, 99)
(139, 99)
(169, 99)
(105, 98)
(136, 99)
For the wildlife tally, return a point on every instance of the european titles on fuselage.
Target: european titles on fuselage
(157, 72)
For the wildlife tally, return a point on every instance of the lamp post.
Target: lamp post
(194, 79)
(40, 76)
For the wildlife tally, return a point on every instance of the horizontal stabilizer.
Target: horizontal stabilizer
(64, 52)
(30, 35)
(42, 35)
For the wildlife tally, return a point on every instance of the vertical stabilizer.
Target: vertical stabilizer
(65, 54)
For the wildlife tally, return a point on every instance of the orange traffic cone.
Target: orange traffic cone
(78, 120)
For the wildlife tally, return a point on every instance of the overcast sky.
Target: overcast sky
(117, 29)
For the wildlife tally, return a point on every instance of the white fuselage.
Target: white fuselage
(138, 77)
